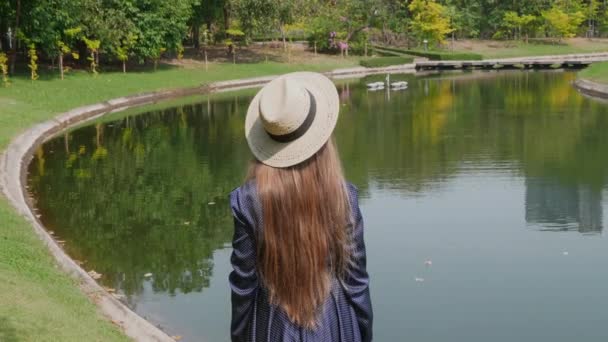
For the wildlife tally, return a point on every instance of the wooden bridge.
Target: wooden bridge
(574, 61)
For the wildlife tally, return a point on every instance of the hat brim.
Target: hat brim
(278, 154)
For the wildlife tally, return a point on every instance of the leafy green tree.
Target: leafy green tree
(123, 51)
(514, 26)
(561, 22)
(592, 13)
(93, 47)
(65, 47)
(4, 69)
(429, 21)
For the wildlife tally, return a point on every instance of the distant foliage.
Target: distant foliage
(445, 56)
(33, 65)
(561, 23)
(377, 62)
(429, 21)
(4, 69)
(93, 47)
(140, 31)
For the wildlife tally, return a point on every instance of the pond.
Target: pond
(497, 178)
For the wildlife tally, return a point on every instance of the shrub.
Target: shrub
(435, 55)
(385, 61)
(445, 56)
(4, 68)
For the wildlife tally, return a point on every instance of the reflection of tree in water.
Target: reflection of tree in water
(556, 206)
(533, 123)
(132, 196)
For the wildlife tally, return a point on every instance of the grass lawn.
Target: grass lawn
(597, 72)
(501, 49)
(37, 301)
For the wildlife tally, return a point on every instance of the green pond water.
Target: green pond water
(498, 178)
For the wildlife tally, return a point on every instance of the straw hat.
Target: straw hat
(291, 118)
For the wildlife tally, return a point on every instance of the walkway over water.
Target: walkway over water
(533, 62)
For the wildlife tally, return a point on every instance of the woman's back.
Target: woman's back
(346, 314)
(299, 257)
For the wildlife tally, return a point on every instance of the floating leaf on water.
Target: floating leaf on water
(419, 280)
(148, 275)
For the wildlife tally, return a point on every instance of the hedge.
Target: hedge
(377, 62)
(435, 55)
(446, 56)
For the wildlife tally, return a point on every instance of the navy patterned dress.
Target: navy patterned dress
(346, 315)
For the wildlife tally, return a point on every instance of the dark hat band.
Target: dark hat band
(298, 132)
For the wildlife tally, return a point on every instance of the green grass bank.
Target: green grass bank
(596, 72)
(38, 301)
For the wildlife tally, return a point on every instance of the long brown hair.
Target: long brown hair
(305, 239)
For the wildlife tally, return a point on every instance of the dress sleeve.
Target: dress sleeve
(243, 278)
(357, 280)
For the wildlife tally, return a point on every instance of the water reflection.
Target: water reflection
(555, 206)
(144, 195)
(148, 193)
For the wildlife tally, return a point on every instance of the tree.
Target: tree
(65, 47)
(255, 16)
(592, 11)
(123, 51)
(429, 21)
(563, 24)
(515, 25)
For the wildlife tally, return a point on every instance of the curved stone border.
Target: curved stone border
(13, 179)
(593, 89)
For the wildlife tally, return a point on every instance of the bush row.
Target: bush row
(446, 56)
(436, 55)
(377, 62)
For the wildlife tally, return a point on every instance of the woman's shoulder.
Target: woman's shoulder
(243, 202)
(353, 193)
(244, 198)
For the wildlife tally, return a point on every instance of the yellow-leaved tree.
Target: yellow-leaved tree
(562, 23)
(429, 21)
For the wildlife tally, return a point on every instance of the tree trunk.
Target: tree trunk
(206, 65)
(453, 39)
(226, 17)
(61, 64)
(14, 48)
(196, 35)
(283, 38)
(124, 67)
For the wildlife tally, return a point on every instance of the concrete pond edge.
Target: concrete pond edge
(592, 89)
(13, 182)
